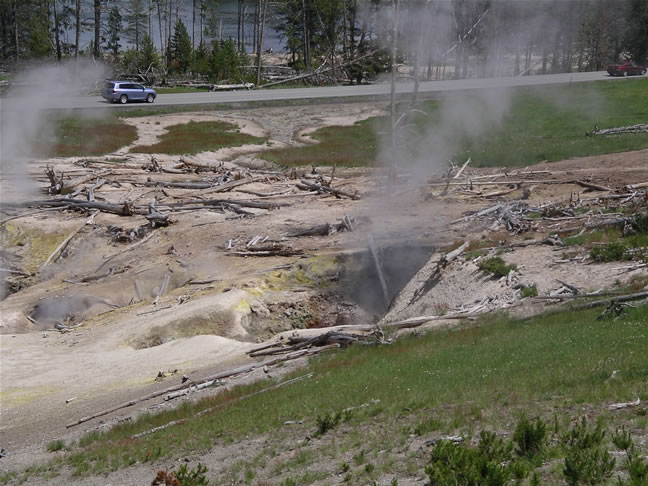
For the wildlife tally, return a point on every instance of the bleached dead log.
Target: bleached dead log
(640, 185)
(420, 320)
(322, 188)
(59, 249)
(638, 128)
(595, 187)
(217, 376)
(228, 186)
(618, 299)
(619, 406)
(435, 277)
(179, 185)
(192, 389)
(211, 409)
(479, 214)
(463, 167)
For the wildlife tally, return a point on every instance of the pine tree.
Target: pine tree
(148, 57)
(201, 60)
(230, 60)
(180, 48)
(215, 62)
(113, 31)
(637, 31)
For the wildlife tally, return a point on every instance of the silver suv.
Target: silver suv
(125, 91)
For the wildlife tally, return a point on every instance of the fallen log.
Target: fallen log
(217, 376)
(119, 209)
(640, 185)
(59, 249)
(318, 230)
(284, 252)
(435, 277)
(179, 185)
(418, 321)
(594, 187)
(228, 186)
(211, 409)
(238, 202)
(321, 188)
(613, 300)
(463, 167)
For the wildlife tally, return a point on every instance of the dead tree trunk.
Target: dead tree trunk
(263, 7)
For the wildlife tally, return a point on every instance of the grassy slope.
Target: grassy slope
(195, 137)
(453, 381)
(547, 123)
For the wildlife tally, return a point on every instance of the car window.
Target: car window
(138, 86)
(109, 85)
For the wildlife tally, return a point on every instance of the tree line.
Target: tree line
(438, 38)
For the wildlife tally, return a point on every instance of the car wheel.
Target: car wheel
(150, 98)
(123, 99)
(625, 74)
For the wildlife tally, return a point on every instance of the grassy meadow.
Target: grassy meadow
(479, 376)
(542, 124)
(195, 137)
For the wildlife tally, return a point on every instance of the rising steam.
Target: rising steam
(24, 117)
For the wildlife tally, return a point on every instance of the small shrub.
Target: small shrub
(327, 422)
(530, 439)
(637, 469)
(528, 291)
(359, 458)
(586, 461)
(289, 482)
(345, 467)
(489, 463)
(496, 266)
(611, 252)
(622, 440)
(535, 479)
(640, 223)
(55, 445)
(369, 468)
(192, 477)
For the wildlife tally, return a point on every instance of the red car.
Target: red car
(627, 68)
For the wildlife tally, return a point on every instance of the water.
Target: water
(226, 14)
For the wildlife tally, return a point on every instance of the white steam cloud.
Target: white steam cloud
(24, 117)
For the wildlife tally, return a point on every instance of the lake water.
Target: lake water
(226, 13)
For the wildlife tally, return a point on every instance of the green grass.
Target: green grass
(82, 136)
(195, 137)
(346, 146)
(498, 368)
(607, 235)
(55, 445)
(544, 123)
(550, 123)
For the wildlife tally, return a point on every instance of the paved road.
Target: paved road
(429, 87)
(366, 90)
